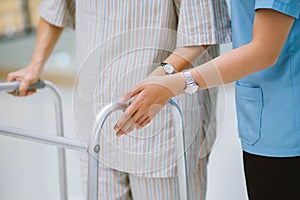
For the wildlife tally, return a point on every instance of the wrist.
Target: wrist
(37, 64)
(181, 82)
(36, 67)
(159, 71)
(176, 83)
(191, 85)
(39, 58)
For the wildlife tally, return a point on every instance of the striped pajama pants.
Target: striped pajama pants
(117, 185)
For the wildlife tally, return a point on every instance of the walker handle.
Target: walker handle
(13, 86)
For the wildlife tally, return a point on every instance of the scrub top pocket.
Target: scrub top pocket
(249, 105)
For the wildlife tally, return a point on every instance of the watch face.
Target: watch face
(169, 69)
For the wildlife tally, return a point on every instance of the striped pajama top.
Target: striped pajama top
(119, 42)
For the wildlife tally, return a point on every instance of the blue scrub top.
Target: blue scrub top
(268, 102)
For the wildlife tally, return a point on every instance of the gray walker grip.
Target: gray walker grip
(38, 85)
(14, 86)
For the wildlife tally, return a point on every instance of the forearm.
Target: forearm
(181, 58)
(270, 31)
(47, 36)
(232, 66)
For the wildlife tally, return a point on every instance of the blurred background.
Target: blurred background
(28, 170)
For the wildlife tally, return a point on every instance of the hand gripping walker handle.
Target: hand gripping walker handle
(38, 85)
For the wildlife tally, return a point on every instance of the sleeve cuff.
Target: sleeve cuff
(56, 16)
(286, 7)
(210, 39)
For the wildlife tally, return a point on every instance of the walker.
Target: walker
(93, 148)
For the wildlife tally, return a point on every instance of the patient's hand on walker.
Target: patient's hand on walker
(27, 76)
(150, 95)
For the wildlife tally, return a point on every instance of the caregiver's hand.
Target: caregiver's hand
(150, 96)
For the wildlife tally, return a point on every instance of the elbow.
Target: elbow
(267, 55)
(271, 58)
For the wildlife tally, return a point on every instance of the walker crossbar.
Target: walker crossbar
(58, 141)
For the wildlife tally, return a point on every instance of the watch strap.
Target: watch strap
(188, 77)
(191, 85)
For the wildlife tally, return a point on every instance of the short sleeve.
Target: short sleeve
(59, 13)
(288, 7)
(202, 22)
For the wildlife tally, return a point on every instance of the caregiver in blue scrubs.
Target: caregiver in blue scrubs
(266, 63)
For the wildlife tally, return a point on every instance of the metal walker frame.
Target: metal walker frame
(93, 148)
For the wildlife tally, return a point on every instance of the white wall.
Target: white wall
(225, 170)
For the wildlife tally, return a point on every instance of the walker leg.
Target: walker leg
(180, 150)
(61, 151)
(94, 148)
(62, 174)
(92, 184)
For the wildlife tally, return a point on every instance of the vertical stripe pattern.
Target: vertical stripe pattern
(128, 39)
(60, 13)
(116, 185)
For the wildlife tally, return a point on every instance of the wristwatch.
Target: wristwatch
(191, 85)
(169, 68)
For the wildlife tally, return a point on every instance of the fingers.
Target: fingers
(130, 119)
(138, 121)
(11, 77)
(124, 125)
(26, 78)
(29, 92)
(145, 104)
(131, 93)
(146, 121)
(129, 122)
(24, 85)
(128, 127)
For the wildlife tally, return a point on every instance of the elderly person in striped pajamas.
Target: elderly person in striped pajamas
(197, 24)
